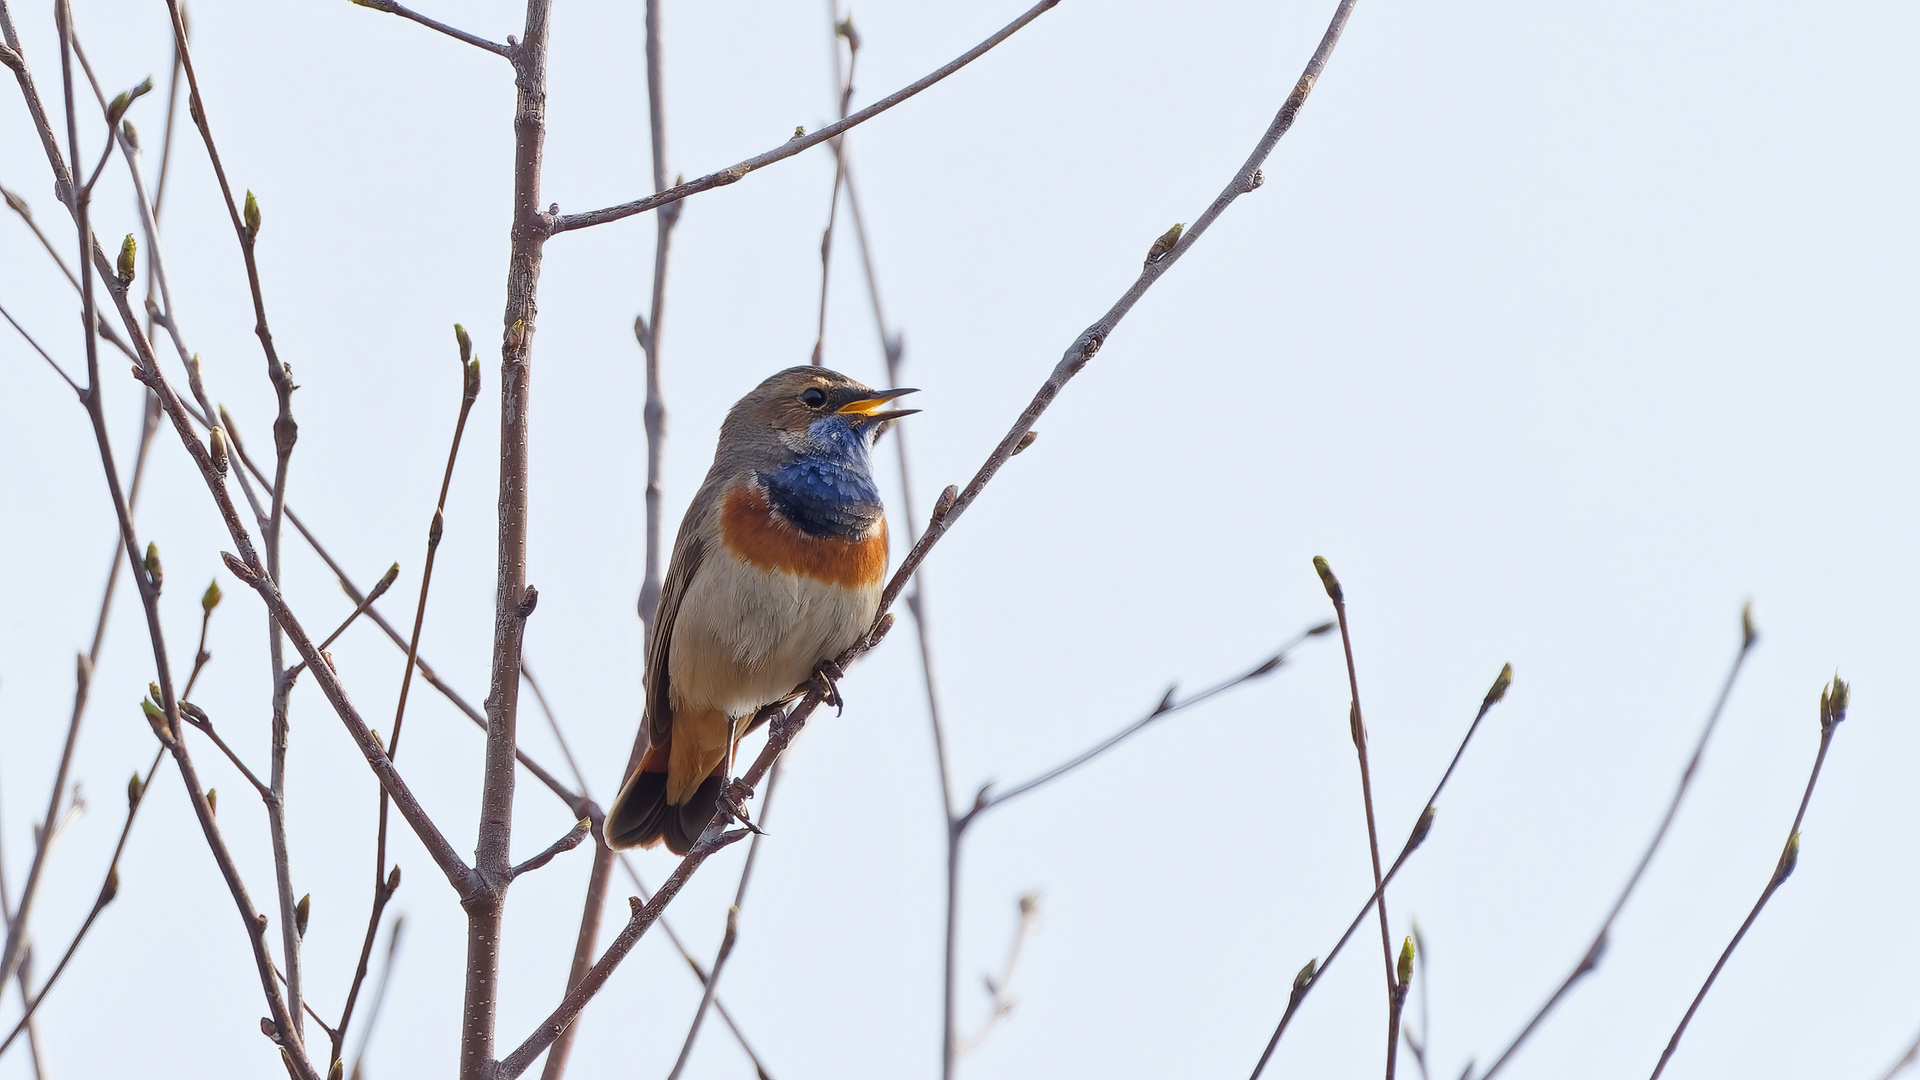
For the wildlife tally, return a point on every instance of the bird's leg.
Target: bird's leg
(826, 679)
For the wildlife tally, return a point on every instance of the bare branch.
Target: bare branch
(475, 40)
(1002, 1002)
(574, 837)
(1833, 710)
(1590, 959)
(51, 362)
(379, 994)
(1167, 707)
(559, 223)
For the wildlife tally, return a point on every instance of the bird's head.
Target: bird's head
(808, 412)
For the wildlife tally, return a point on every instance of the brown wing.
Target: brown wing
(685, 563)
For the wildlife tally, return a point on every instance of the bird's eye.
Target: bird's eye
(813, 397)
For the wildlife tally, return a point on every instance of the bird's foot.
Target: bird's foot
(734, 798)
(826, 678)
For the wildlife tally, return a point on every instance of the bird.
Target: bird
(777, 569)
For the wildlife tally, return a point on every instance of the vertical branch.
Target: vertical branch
(246, 228)
(1359, 730)
(646, 330)
(512, 598)
(844, 88)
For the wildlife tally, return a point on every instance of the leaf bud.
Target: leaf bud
(1405, 968)
(135, 790)
(944, 504)
(152, 563)
(1306, 976)
(217, 450)
(109, 888)
(393, 879)
(1789, 858)
(128, 251)
(1499, 687)
(1164, 245)
(465, 343)
(250, 216)
(1025, 441)
(156, 720)
(213, 801)
(301, 911)
(1334, 591)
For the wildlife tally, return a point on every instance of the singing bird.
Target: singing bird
(777, 569)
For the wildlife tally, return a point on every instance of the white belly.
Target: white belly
(745, 636)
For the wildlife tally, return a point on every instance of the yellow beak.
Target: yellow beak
(870, 406)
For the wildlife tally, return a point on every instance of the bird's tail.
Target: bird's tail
(642, 817)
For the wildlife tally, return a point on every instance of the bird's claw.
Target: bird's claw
(826, 678)
(735, 800)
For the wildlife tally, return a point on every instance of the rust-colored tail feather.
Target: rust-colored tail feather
(641, 816)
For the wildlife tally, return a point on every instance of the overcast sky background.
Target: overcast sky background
(1561, 330)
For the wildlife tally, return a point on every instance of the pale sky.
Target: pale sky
(1562, 331)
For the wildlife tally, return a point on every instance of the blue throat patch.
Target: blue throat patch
(828, 491)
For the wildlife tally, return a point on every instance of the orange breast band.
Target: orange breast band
(750, 529)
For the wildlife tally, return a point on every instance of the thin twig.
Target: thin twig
(379, 994)
(51, 362)
(392, 8)
(732, 933)
(1833, 710)
(1357, 725)
(1001, 1002)
(844, 94)
(559, 223)
(382, 892)
(1167, 707)
(1590, 959)
(1309, 976)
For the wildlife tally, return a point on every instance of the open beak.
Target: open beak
(867, 408)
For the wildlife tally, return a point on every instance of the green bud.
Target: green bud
(211, 598)
(336, 1070)
(1306, 976)
(156, 720)
(387, 579)
(1164, 246)
(135, 789)
(845, 29)
(153, 691)
(217, 450)
(301, 911)
(1789, 858)
(213, 801)
(250, 216)
(152, 563)
(465, 342)
(799, 131)
(1833, 703)
(128, 251)
(1405, 968)
(1334, 592)
(1499, 687)
(124, 100)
